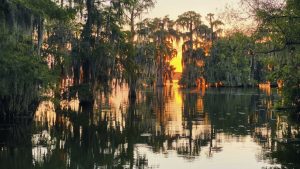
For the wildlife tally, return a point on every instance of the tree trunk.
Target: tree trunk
(191, 41)
(40, 35)
(70, 4)
(132, 80)
(132, 30)
(86, 33)
(160, 81)
(132, 90)
(211, 29)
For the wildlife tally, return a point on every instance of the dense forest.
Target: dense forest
(62, 49)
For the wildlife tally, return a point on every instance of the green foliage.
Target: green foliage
(94, 49)
(231, 61)
(285, 67)
(46, 9)
(278, 37)
(156, 47)
(195, 35)
(23, 75)
(192, 71)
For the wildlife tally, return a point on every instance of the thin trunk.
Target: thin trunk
(132, 78)
(132, 30)
(252, 67)
(190, 59)
(132, 89)
(40, 35)
(160, 79)
(211, 29)
(70, 4)
(86, 37)
(86, 34)
(191, 40)
(160, 74)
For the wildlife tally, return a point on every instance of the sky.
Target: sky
(173, 8)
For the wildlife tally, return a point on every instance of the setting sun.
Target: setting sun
(176, 61)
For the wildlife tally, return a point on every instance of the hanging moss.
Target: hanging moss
(23, 76)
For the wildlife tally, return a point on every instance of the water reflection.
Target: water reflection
(165, 128)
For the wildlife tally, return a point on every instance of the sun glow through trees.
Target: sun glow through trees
(176, 61)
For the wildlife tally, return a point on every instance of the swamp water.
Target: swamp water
(167, 128)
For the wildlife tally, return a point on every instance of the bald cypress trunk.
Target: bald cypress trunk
(132, 88)
(132, 30)
(40, 35)
(86, 43)
(132, 79)
(160, 79)
(190, 57)
(160, 72)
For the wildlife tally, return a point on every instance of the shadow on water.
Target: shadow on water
(186, 126)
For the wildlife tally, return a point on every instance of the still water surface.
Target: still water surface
(167, 128)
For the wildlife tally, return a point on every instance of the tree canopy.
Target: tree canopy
(98, 44)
